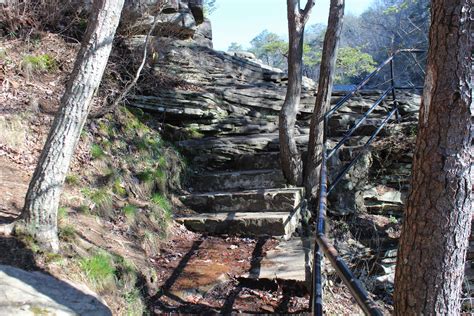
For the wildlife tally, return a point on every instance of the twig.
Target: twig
(137, 74)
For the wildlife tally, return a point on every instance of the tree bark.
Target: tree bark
(290, 158)
(323, 98)
(42, 199)
(432, 251)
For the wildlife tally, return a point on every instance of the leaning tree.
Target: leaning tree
(39, 216)
(432, 252)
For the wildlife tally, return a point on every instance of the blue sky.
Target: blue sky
(241, 20)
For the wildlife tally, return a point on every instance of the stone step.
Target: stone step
(237, 180)
(260, 200)
(276, 224)
(291, 260)
(258, 160)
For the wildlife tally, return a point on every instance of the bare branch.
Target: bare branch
(127, 89)
(306, 11)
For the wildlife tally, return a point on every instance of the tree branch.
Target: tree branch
(306, 11)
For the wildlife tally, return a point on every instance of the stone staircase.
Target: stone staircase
(225, 120)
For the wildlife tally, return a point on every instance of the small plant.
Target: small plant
(32, 64)
(72, 179)
(101, 198)
(162, 201)
(62, 213)
(393, 220)
(67, 233)
(97, 152)
(130, 211)
(193, 132)
(83, 209)
(51, 257)
(99, 269)
(118, 187)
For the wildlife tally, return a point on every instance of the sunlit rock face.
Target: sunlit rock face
(183, 19)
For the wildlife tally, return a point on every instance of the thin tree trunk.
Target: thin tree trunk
(432, 252)
(290, 158)
(42, 198)
(323, 98)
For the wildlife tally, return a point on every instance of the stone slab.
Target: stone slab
(277, 224)
(35, 293)
(291, 260)
(238, 180)
(260, 200)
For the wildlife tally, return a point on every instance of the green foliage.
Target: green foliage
(118, 187)
(62, 213)
(96, 151)
(40, 63)
(352, 63)
(99, 269)
(235, 47)
(270, 48)
(393, 220)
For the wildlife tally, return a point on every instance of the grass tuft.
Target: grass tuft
(33, 64)
(67, 233)
(72, 179)
(97, 152)
(101, 198)
(130, 211)
(62, 213)
(99, 269)
(162, 201)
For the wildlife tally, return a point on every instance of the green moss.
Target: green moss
(193, 132)
(96, 151)
(39, 311)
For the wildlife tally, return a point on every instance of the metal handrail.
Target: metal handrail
(322, 243)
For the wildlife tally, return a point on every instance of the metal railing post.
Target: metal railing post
(392, 82)
(322, 245)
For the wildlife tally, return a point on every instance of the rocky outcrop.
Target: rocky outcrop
(35, 293)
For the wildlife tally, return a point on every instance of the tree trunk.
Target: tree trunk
(432, 251)
(42, 198)
(290, 158)
(323, 98)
